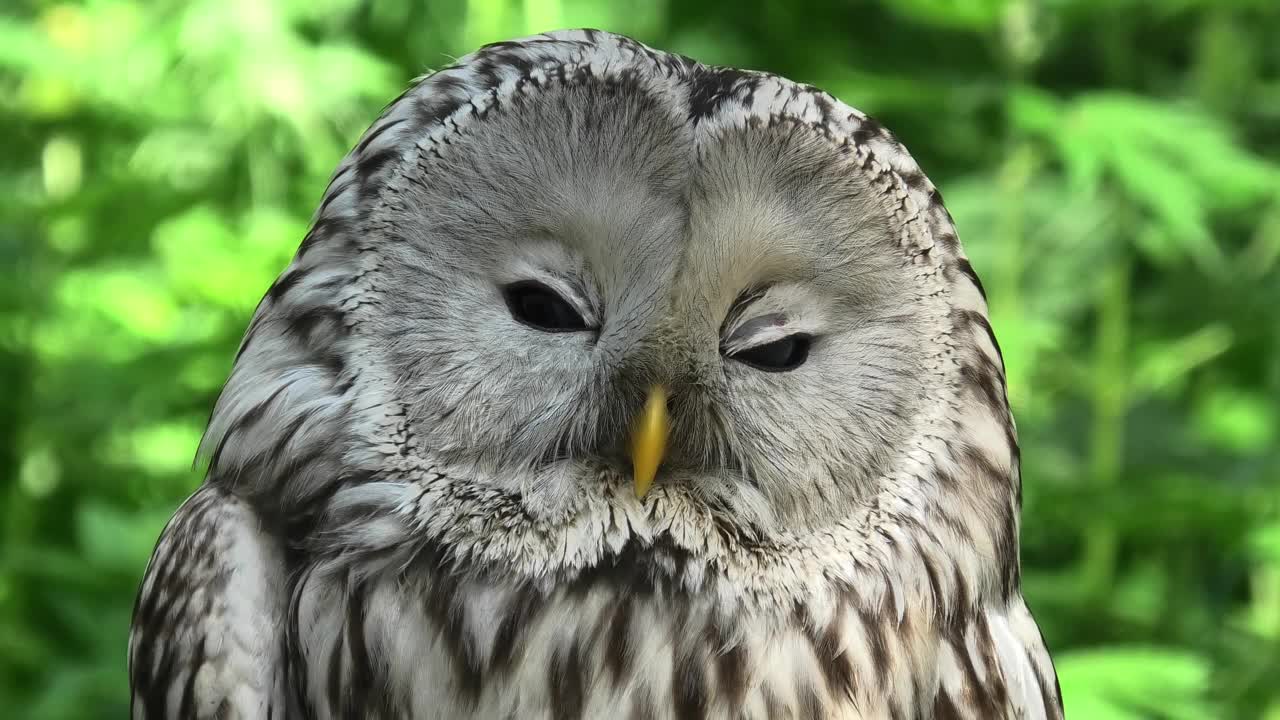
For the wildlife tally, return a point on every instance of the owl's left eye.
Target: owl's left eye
(538, 306)
(784, 354)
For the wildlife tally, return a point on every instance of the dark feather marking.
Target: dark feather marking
(876, 632)
(731, 669)
(336, 189)
(186, 707)
(689, 686)
(995, 685)
(299, 694)
(565, 676)
(619, 652)
(948, 240)
(371, 164)
(978, 694)
(324, 228)
(966, 268)
(868, 130)
(981, 321)
(303, 322)
(381, 128)
(1051, 709)
(983, 378)
(169, 604)
(810, 702)
(335, 676)
(508, 641)
(913, 179)
(432, 109)
(285, 283)
(156, 693)
(944, 708)
(444, 608)
(709, 88)
(360, 675)
(640, 567)
(833, 661)
(1007, 553)
(935, 584)
(280, 447)
(1006, 537)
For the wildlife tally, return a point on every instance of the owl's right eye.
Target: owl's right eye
(539, 307)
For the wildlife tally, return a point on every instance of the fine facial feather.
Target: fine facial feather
(836, 541)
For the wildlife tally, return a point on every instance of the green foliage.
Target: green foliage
(1114, 168)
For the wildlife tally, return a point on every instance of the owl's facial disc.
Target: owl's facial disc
(590, 294)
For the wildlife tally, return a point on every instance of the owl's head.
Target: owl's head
(571, 267)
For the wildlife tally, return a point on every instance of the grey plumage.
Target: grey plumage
(418, 507)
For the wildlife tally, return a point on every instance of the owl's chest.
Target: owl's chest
(463, 648)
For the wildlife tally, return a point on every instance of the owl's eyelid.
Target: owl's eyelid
(762, 330)
(568, 291)
(767, 312)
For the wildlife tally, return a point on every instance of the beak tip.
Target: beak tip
(643, 479)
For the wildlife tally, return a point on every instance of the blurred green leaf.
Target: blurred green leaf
(1162, 363)
(963, 14)
(1238, 421)
(1134, 683)
(1174, 162)
(1266, 542)
(115, 540)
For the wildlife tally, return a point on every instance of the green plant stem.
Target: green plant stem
(1110, 402)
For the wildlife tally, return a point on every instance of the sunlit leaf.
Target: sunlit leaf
(1131, 683)
(1165, 362)
(1265, 541)
(1173, 162)
(208, 259)
(1238, 421)
(163, 448)
(184, 158)
(966, 14)
(133, 300)
(40, 472)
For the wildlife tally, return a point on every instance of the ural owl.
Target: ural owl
(607, 384)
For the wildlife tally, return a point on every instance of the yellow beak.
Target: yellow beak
(649, 440)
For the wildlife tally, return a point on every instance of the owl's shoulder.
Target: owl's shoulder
(208, 627)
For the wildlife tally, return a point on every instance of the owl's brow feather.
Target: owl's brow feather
(742, 303)
(844, 263)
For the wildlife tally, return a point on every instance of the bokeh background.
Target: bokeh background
(1113, 165)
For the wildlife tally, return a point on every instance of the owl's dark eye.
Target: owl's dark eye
(538, 306)
(784, 354)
